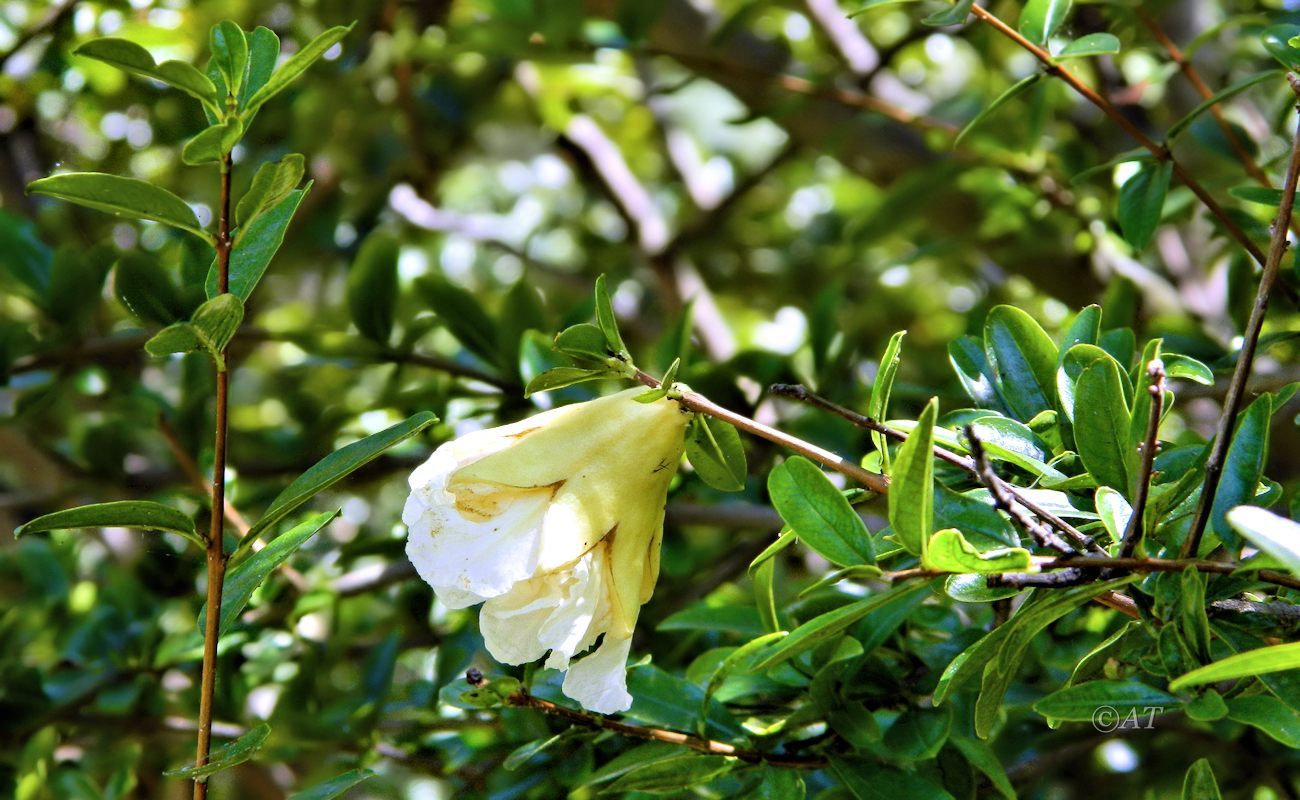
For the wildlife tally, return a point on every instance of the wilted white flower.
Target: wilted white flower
(554, 523)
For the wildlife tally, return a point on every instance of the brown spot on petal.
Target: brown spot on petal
(481, 501)
(524, 432)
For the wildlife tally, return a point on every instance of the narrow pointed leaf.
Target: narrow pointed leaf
(336, 786)
(911, 491)
(131, 57)
(716, 453)
(606, 320)
(1276, 658)
(223, 758)
(1237, 88)
(255, 245)
(1023, 357)
(263, 51)
(878, 404)
(559, 377)
(1094, 44)
(271, 184)
(125, 197)
(1101, 423)
(1041, 18)
(296, 65)
(372, 286)
(230, 52)
(1273, 534)
(1142, 200)
(139, 514)
(1243, 467)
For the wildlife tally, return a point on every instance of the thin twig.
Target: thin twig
(1042, 533)
(216, 522)
(697, 402)
(1250, 341)
(1060, 579)
(802, 394)
(1287, 611)
(522, 699)
(1161, 152)
(1156, 389)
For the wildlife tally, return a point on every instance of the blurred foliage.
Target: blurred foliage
(773, 192)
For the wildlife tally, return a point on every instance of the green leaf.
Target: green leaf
(1243, 467)
(125, 197)
(263, 51)
(211, 329)
(336, 466)
(867, 780)
(372, 286)
(1114, 511)
(969, 361)
(1187, 368)
(1074, 361)
(1277, 536)
(1101, 424)
(911, 491)
(255, 245)
(780, 784)
(1142, 200)
(830, 625)
(741, 655)
(222, 758)
(140, 514)
(1277, 41)
(1023, 358)
(559, 377)
(1193, 622)
(608, 322)
(1181, 125)
(1016, 89)
(1080, 703)
(249, 574)
(230, 52)
(672, 775)
(295, 66)
(948, 550)
(919, 733)
(662, 699)
(1094, 44)
(131, 57)
(142, 285)
(336, 786)
(1243, 665)
(980, 756)
(1007, 440)
(1042, 18)
(584, 343)
(951, 16)
(1273, 718)
(878, 404)
(271, 184)
(716, 453)
(1261, 195)
(974, 588)
(1199, 783)
(818, 513)
(212, 143)
(463, 316)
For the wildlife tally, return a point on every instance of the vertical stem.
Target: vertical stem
(1246, 359)
(216, 524)
(1156, 388)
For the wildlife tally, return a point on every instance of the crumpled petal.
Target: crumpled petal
(599, 680)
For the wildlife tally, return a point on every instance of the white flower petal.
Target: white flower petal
(599, 680)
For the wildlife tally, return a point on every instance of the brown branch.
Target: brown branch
(697, 402)
(1161, 152)
(1150, 443)
(1250, 341)
(1042, 533)
(523, 699)
(802, 394)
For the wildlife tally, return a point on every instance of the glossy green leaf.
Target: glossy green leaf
(244, 578)
(1261, 195)
(1199, 782)
(139, 514)
(225, 757)
(919, 733)
(125, 197)
(823, 628)
(1078, 358)
(818, 513)
(583, 342)
(272, 183)
(911, 490)
(1243, 665)
(1243, 467)
(1079, 703)
(1114, 511)
(336, 786)
(606, 320)
(212, 144)
(871, 780)
(948, 550)
(1142, 201)
(144, 287)
(295, 66)
(980, 756)
(974, 588)
(1187, 368)
(1273, 718)
(1041, 18)
(559, 377)
(463, 316)
(780, 784)
(1277, 41)
(1023, 358)
(131, 57)
(951, 16)
(1237, 88)
(673, 775)
(969, 361)
(663, 699)
(230, 52)
(1013, 442)
(210, 329)
(255, 245)
(716, 453)
(1273, 534)
(1094, 44)
(263, 52)
(372, 286)
(336, 466)
(1101, 423)
(878, 403)
(1015, 90)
